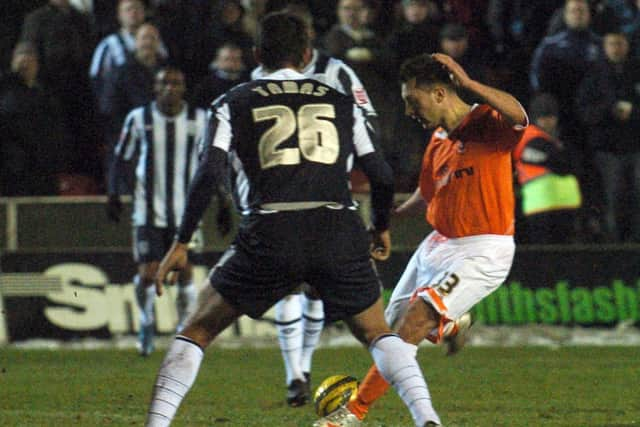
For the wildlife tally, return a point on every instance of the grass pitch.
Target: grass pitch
(529, 386)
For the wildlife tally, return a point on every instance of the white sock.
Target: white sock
(396, 361)
(312, 323)
(289, 326)
(175, 377)
(185, 303)
(145, 297)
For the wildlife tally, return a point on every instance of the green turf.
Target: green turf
(577, 387)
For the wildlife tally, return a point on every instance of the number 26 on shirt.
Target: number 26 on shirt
(317, 135)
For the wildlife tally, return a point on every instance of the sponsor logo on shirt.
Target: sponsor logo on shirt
(461, 173)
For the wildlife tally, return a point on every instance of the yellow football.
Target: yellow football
(334, 392)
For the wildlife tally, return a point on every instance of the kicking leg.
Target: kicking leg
(412, 327)
(395, 357)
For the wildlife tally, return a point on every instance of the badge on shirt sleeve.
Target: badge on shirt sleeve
(360, 95)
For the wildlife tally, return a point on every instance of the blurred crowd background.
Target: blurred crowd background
(72, 69)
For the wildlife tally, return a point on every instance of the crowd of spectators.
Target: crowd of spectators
(72, 69)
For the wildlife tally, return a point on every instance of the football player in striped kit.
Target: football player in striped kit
(299, 317)
(162, 139)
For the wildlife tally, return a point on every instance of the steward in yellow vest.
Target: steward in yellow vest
(551, 196)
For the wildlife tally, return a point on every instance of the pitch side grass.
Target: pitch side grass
(519, 387)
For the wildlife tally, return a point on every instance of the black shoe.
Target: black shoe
(298, 393)
(307, 379)
(307, 384)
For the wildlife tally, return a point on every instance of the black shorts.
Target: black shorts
(273, 253)
(151, 243)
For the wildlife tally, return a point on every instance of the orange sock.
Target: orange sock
(371, 389)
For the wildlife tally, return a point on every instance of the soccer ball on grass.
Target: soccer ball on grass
(334, 392)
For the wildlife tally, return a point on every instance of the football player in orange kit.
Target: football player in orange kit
(466, 185)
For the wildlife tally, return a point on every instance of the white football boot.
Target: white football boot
(341, 417)
(455, 333)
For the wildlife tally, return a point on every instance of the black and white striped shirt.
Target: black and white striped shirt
(291, 141)
(167, 157)
(112, 52)
(254, 178)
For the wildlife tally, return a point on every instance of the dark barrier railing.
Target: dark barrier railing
(80, 223)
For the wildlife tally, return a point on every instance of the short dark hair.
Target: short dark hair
(281, 40)
(168, 68)
(426, 71)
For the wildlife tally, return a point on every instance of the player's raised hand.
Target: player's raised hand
(458, 75)
(380, 245)
(172, 264)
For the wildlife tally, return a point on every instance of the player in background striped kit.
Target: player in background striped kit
(161, 139)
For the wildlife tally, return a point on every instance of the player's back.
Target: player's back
(292, 141)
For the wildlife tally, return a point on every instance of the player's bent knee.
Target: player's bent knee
(369, 324)
(212, 316)
(419, 319)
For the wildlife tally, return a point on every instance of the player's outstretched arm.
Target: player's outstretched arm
(204, 185)
(380, 177)
(413, 204)
(502, 101)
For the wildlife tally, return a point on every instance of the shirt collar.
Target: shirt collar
(473, 112)
(311, 63)
(284, 74)
(155, 109)
(259, 72)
